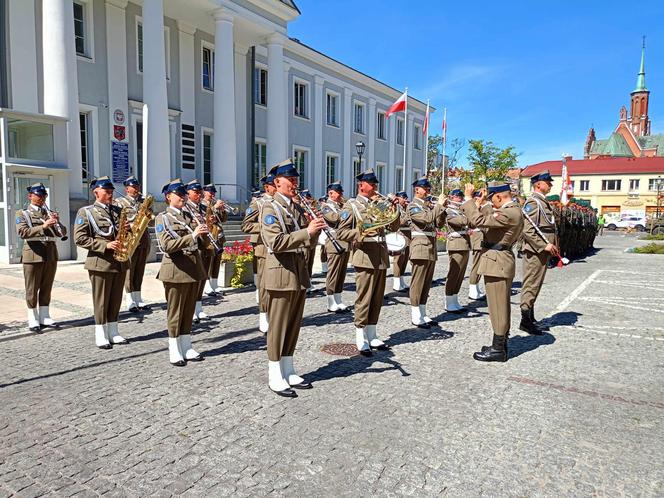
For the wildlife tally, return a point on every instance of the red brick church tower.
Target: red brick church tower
(639, 121)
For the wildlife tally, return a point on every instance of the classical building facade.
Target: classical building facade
(227, 93)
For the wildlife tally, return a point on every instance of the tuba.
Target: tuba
(131, 238)
(380, 213)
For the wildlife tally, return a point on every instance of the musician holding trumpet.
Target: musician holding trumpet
(96, 229)
(220, 215)
(39, 227)
(337, 263)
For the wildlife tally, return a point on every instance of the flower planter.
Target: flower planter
(227, 269)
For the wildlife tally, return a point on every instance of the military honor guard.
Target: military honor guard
(503, 228)
(399, 261)
(370, 259)
(458, 250)
(181, 239)
(306, 196)
(220, 211)
(337, 264)
(475, 292)
(287, 235)
(251, 226)
(132, 201)
(98, 229)
(39, 227)
(425, 219)
(538, 244)
(198, 210)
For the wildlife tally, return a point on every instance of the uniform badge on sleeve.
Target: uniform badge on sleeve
(250, 210)
(528, 208)
(79, 221)
(160, 228)
(344, 215)
(269, 219)
(18, 221)
(415, 210)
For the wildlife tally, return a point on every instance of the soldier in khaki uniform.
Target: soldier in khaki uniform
(475, 292)
(370, 259)
(425, 219)
(539, 243)
(96, 229)
(251, 225)
(220, 216)
(287, 235)
(132, 201)
(196, 208)
(311, 252)
(400, 260)
(39, 230)
(503, 228)
(181, 270)
(458, 250)
(337, 264)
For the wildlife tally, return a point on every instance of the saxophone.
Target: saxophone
(130, 239)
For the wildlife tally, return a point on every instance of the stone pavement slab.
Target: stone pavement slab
(575, 412)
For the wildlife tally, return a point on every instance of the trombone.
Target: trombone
(58, 227)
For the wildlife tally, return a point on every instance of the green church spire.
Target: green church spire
(641, 78)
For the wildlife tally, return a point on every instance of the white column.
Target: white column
(187, 84)
(23, 56)
(277, 101)
(371, 134)
(224, 157)
(317, 182)
(241, 89)
(391, 147)
(348, 180)
(60, 81)
(158, 146)
(116, 55)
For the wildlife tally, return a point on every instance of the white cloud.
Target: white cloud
(460, 77)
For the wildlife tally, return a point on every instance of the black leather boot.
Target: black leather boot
(496, 352)
(527, 324)
(539, 325)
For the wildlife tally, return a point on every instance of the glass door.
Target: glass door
(19, 201)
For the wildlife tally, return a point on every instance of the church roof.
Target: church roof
(615, 146)
(652, 141)
(615, 166)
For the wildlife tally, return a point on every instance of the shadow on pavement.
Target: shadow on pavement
(523, 344)
(345, 367)
(562, 319)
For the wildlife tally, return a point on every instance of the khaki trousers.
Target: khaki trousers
(337, 265)
(498, 299)
(285, 310)
(534, 271)
(215, 264)
(206, 256)
(310, 255)
(39, 282)
(474, 278)
(134, 279)
(254, 262)
(370, 285)
(323, 254)
(420, 281)
(399, 262)
(180, 305)
(262, 293)
(456, 272)
(106, 295)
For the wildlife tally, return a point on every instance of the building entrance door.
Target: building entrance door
(19, 201)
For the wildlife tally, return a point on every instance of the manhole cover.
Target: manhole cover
(340, 349)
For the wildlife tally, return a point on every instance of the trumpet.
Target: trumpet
(198, 218)
(58, 227)
(312, 211)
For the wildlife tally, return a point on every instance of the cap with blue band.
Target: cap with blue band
(367, 176)
(37, 189)
(103, 182)
(131, 181)
(422, 182)
(174, 186)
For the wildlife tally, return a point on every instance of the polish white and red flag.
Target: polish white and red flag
(399, 105)
(425, 128)
(564, 194)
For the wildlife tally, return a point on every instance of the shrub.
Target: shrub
(650, 249)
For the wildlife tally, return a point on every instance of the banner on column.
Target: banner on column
(120, 160)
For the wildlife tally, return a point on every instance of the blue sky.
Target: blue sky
(531, 74)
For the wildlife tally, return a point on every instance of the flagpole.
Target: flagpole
(444, 149)
(405, 136)
(426, 142)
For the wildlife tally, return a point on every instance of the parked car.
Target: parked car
(656, 226)
(636, 222)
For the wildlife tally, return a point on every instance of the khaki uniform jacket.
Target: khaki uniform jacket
(404, 223)
(477, 234)
(504, 227)
(457, 229)
(331, 211)
(221, 217)
(132, 206)
(93, 229)
(251, 224)
(29, 226)
(426, 219)
(284, 233)
(182, 262)
(541, 213)
(366, 253)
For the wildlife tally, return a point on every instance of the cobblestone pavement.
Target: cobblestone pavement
(576, 412)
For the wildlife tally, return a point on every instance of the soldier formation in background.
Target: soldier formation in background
(285, 225)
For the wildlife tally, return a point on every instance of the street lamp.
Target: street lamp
(359, 147)
(659, 183)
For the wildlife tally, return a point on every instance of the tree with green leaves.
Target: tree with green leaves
(488, 162)
(435, 171)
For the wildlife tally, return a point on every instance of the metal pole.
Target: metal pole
(405, 132)
(144, 180)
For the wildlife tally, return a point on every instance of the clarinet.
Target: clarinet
(197, 219)
(58, 226)
(326, 228)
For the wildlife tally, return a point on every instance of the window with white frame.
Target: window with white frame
(207, 158)
(584, 185)
(258, 170)
(398, 171)
(400, 131)
(380, 174)
(84, 122)
(381, 129)
(611, 185)
(358, 121)
(300, 105)
(416, 174)
(654, 182)
(332, 109)
(139, 48)
(332, 162)
(207, 66)
(634, 184)
(81, 28)
(260, 86)
(300, 161)
(416, 136)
